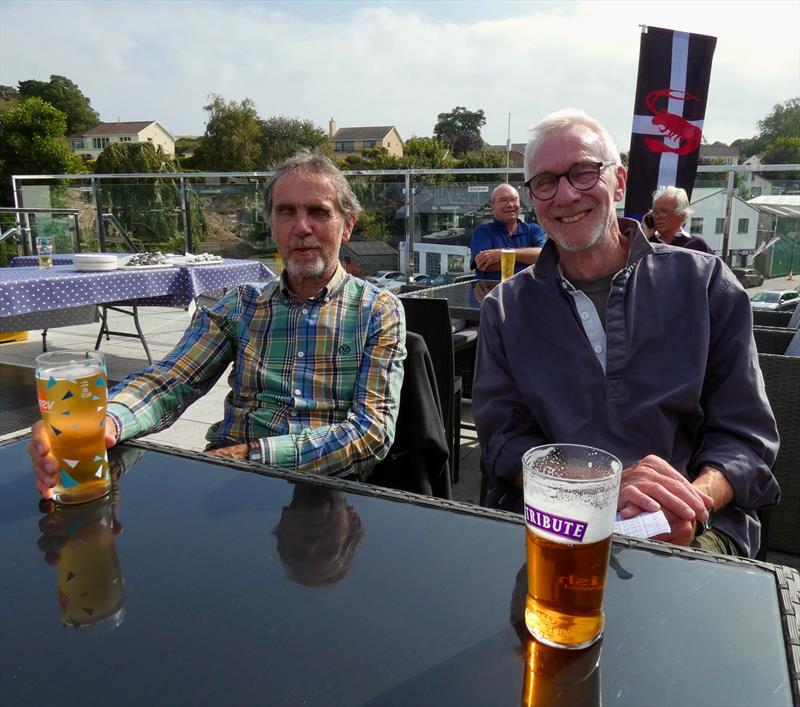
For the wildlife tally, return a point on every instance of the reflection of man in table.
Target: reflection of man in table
(317, 354)
(670, 385)
(318, 534)
(670, 211)
(506, 231)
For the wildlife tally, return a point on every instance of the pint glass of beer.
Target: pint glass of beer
(72, 391)
(508, 257)
(570, 505)
(44, 249)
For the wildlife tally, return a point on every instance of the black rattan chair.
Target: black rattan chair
(782, 380)
(772, 339)
(764, 318)
(430, 318)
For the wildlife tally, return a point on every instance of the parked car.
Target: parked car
(385, 278)
(448, 278)
(420, 279)
(749, 277)
(775, 300)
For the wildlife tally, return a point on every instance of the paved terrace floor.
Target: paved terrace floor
(163, 327)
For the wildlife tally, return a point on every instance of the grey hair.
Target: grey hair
(307, 162)
(500, 186)
(564, 119)
(682, 207)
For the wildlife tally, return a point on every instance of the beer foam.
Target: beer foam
(62, 373)
(559, 512)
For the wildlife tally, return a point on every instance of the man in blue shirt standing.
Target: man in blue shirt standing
(506, 231)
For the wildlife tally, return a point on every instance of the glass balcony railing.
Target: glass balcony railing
(415, 221)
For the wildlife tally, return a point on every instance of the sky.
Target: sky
(395, 63)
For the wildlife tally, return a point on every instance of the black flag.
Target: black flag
(671, 96)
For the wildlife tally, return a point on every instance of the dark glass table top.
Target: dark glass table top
(242, 589)
(463, 298)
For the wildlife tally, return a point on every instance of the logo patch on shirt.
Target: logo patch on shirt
(344, 349)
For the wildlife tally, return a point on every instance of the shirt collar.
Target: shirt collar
(326, 292)
(639, 247)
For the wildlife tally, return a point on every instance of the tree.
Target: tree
(783, 121)
(784, 150)
(32, 142)
(65, 95)
(232, 141)
(460, 129)
(426, 153)
(9, 98)
(282, 137)
(150, 210)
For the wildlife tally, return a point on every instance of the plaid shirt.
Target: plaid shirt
(315, 385)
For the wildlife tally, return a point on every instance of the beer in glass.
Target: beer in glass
(72, 391)
(508, 257)
(570, 505)
(44, 249)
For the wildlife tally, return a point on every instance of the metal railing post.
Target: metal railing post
(187, 216)
(726, 230)
(101, 227)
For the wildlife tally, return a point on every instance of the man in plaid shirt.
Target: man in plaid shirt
(317, 354)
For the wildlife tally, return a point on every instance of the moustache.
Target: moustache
(304, 243)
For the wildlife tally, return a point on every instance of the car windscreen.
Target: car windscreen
(765, 297)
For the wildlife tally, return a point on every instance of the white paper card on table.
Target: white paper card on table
(645, 525)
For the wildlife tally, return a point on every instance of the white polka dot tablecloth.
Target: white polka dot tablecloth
(28, 289)
(22, 261)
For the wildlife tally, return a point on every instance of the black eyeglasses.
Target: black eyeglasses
(582, 176)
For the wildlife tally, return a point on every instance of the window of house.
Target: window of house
(744, 223)
(369, 143)
(345, 146)
(149, 139)
(755, 191)
(696, 227)
(719, 225)
(125, 138)
(416, 261)
(434, 261)
(76, 144)
(98, 143)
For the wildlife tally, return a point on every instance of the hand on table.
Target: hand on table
(236, 451)
(488, 258)
(652, 484)
(45, 465)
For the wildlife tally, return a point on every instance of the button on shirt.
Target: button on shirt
(495, 235)
(315, 384)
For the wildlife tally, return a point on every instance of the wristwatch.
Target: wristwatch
(255, 455)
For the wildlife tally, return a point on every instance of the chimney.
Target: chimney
(331, 128)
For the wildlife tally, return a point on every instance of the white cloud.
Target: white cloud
(399, 63)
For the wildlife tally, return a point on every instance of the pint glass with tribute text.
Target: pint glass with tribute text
(72, 391)
(508, 257)
(570, 505)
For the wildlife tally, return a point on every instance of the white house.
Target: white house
(708, 222)
(90, 143)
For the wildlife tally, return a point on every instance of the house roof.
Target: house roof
(778, 204)
(120, 128)
(515, 147)
(363, 248)
(370, 132)
(718, 151)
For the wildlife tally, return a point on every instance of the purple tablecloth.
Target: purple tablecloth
(27, 289)
(21, 261)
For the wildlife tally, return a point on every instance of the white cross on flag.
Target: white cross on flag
(671, 96)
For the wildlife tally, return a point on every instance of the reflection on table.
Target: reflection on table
(278, 588)
(463, 298)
